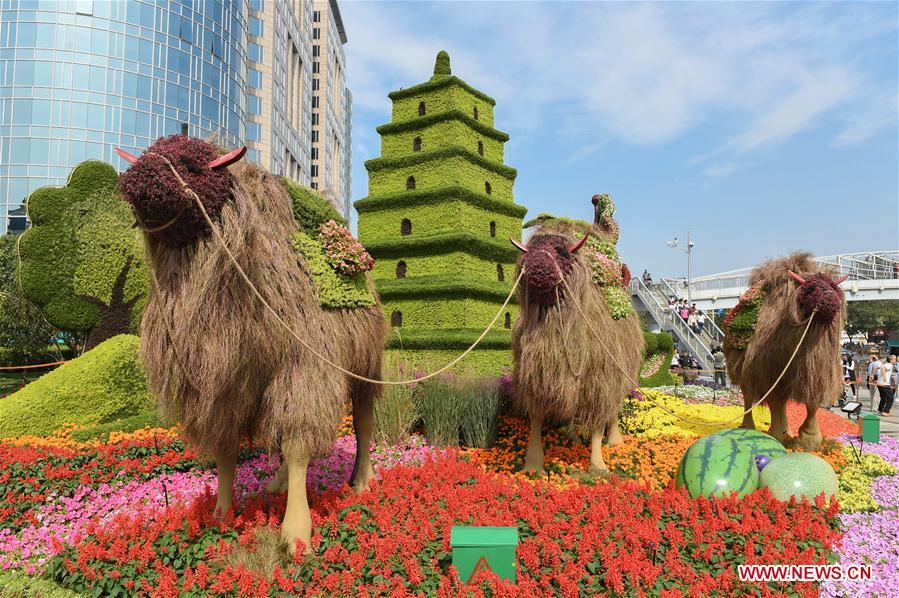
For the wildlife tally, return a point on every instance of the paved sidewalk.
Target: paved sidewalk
(889, 426)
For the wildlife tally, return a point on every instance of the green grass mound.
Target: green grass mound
(103, 385)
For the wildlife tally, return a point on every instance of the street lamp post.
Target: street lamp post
(689, 249)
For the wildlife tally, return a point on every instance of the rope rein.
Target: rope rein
(637, 384)
(280, 320)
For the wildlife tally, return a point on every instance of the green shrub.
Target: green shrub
(664, 341)
(441, 406)
(18, 585)
(103, 385)
(662, 377)
(481, 402)
(650, 343)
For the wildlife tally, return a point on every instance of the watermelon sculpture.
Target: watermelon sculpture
(722, 463)
(757, 443)
(797, 475)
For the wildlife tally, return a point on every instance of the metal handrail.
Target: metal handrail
(714, 331)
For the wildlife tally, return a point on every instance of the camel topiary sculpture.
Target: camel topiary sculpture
(764, 329)
(561, 372)
(215, 356)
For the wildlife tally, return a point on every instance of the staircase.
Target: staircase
(655, 298)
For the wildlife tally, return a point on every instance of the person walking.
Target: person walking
(700, 320)
(873, 369)
(720, 367)
(684, 311)
(849, 374)
(885, 386)
(691, 321)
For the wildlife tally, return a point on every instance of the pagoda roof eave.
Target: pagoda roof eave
(425, 121)
(420, 197)
(437, 83)
(376, 164)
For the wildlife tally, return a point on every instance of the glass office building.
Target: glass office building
(80, 77)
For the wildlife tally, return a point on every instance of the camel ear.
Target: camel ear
(796, 277)
(578, 245)
(520, 247)
(228, 159)
(129, 158)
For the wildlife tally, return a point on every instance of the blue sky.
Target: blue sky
(761, 127)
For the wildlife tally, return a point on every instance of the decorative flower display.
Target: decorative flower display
(739, 324)
(344, 252)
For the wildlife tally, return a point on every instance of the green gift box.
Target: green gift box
(871, 428)
(477, 549)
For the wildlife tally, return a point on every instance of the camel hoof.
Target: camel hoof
(360, 483)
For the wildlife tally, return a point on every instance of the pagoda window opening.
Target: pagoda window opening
(406, 227)
(487, 188)
(492, 228)
(410, 183)
(480, 148)
(508, 322)
(421, 109)
(500, 275)
(396, 318)
(401, 269)
(416, 144)
(475, 113)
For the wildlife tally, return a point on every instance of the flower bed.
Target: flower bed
(133, 515)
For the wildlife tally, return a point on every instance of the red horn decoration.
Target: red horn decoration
(841, 279)
(228, 159)
(520, 247)
(578, 245)
(796, 277)
(130, 159)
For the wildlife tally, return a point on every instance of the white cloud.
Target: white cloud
(742, 77)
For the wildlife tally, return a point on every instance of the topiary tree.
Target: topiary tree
(24, 334)
(81, 262)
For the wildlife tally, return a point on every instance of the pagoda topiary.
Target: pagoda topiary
(437, 221)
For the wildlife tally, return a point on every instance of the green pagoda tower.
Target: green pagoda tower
(437, 220)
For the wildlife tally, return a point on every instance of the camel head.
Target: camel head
(819, 291)
(604, 216)
(161, 204)
(545, 259)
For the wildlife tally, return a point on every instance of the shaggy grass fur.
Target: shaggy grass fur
(561, 372)
(814, 377)
(229, 369)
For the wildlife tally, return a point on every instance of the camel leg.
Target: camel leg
(278, 484)
(778, 429)
(225, 464)
(748, 421)
(297, 518)
(533, 460)
(596, 462)
(613, 434)
(363, 425)
(809, 433)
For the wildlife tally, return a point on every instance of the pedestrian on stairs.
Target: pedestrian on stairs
(700, 320)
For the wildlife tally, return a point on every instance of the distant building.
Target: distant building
(82, 77)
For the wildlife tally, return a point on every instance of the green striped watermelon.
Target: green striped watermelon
(757, 443)
(717, 465)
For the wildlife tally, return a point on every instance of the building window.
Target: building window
(508, 322)
(416, 144)
(480, 148)
(255, 53)
(254, 132)
(401, 269)
(396, 318)
(315, 85)
(255, 27)
(314, 135)
(487, 188)
(410, 183)
(315, 102)
(316, 16)
(316, 67)
(254, 105)
(500, 275)
(421, 108)
(476, 113)
(254, 78)
(406, 227)
(492, 228)
(316, 33)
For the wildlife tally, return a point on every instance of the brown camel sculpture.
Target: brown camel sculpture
(561, 371)
(215, 357)
(764, 329)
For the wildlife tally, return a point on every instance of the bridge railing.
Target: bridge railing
(667, 318)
